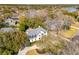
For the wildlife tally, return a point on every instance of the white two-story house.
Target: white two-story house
(36, 34)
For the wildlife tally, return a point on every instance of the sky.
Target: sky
(39, 1)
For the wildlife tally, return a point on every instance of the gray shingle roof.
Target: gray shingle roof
(71, 9)
(7, 29)
(35, 32)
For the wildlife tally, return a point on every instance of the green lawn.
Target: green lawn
(70, 33)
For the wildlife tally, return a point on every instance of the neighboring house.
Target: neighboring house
(71, 9)
(7, 29)
(11, 22)
(36, 34)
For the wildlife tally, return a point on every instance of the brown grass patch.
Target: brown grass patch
(32, 52)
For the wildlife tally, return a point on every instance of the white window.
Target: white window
(31, 40)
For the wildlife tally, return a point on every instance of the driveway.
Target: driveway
(26, 49)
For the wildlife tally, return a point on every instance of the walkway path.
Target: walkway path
(26, 49)
(75, 27)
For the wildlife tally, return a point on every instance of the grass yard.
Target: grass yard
(32, 52)
(70, 33)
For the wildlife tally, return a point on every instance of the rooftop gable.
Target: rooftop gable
(35, 31)
(7, 29)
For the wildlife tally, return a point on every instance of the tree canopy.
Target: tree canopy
(33, 23)
(11, 43)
